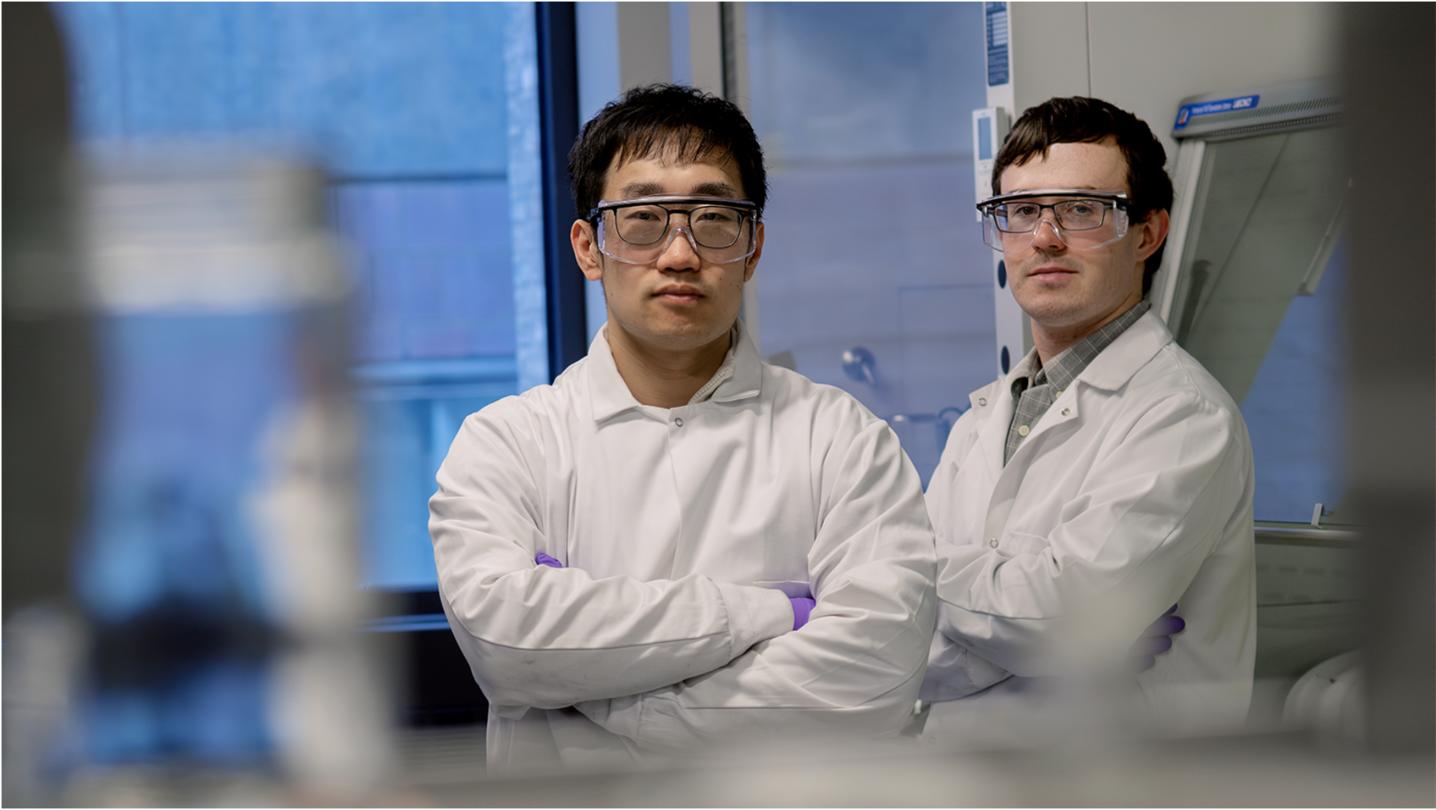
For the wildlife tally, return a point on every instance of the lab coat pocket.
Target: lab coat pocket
(1014, 543)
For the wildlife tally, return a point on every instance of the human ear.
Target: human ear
(1154, 232)
(751, 263)
(585, 249)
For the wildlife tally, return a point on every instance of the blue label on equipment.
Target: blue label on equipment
(1190, 111)
(997, 67)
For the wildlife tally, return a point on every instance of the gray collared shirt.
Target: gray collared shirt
(1035, 392)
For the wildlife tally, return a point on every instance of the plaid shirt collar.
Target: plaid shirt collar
(1036, 387)
(1064, 368)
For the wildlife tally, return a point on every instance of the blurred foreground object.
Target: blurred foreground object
(1391, 434)
(219, 574)
(182, 606)
(51, 389)
(49, 362)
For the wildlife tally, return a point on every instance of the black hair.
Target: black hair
(665, 118)
(1090, 120)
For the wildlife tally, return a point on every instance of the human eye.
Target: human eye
(1081, 213)
(1022, 213)
(715, 214)
(639, 214)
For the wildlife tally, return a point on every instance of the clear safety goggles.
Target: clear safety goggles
(638, 231)
(1095, 218)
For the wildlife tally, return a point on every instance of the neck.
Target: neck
(661, 377)
(1050, 341)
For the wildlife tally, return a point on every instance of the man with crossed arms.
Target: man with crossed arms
(1108, 476)
(675, 542)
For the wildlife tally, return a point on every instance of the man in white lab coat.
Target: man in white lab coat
(1107, 476)
(676, 543)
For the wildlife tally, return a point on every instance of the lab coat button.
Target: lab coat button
(992, 541)
(982, 400)
(1023, 430)
(678, 420)
(1066, 411)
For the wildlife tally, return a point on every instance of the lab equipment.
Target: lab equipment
(989, 129)
(1261, 190)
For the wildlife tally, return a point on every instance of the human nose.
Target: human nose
(1051, 240)
(679, 253)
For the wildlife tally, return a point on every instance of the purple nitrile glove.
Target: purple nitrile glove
(544, 559)
(802, 608)
(1157, 639)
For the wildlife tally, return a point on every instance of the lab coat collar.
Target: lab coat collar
(996, 396)
(609, 394)
(984, 397)
(994, 403)
(747, 379)
(1130, 351)
(1109, 370)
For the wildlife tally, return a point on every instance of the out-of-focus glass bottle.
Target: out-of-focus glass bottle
(219, 571)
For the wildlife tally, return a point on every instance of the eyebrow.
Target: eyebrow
(1055, 188)
(641, 190)
(715, 189)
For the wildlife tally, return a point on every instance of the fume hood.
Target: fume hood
(1261, 184)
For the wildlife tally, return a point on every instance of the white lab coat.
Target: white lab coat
(682, 529)
(1132, 493)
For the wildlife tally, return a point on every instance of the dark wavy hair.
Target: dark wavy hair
(648, 121)
(1089, 120)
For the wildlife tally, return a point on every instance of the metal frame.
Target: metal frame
(1014, 336)
(558, 127)
(438, 687)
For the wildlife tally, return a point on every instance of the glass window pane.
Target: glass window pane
(434, 280)
(864, 112)
(425, 116)
(375, 88)
(1294, 408)
(1259, 304)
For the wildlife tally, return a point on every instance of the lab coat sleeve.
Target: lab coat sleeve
(855, 668)
(1075, 598)
(543, 637)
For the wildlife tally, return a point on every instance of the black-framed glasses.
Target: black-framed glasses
(720, 230)
(1080, 210)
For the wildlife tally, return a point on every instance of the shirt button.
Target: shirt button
(678, 420)
(982, 400)
(1023, 430)
(992, 541)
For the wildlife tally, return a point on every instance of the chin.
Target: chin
(680, 335)
(1041, 308)
(1050, 315)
